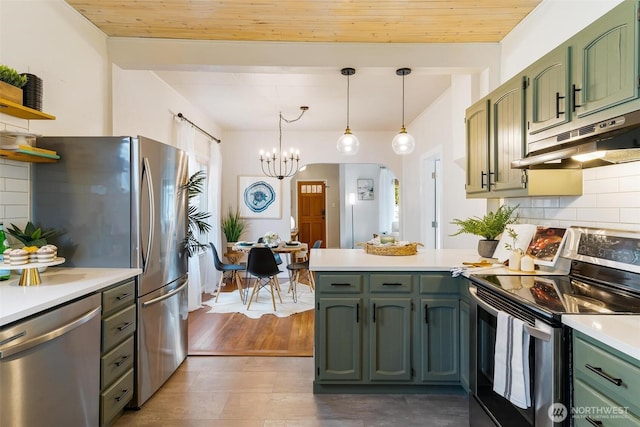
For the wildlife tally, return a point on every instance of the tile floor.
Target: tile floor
(276, 392)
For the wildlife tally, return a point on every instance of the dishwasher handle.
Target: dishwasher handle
(48, 336)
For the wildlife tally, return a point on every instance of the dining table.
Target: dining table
(285, 248)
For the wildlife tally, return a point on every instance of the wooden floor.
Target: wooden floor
(237, 335)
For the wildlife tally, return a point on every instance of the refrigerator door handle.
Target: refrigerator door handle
(164, 297)
(146, 172)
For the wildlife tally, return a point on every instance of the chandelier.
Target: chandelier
(280, 164)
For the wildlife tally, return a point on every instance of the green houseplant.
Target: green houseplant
(489, 227)
(197, 220)
(32, 235)
(233, 226)
(12, 77)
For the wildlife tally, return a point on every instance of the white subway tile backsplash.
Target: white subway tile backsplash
(631, 215)
(532, 213)
(15, 170)
(567, 214)
(623, 169)
(545, 202)
(587, 201)
(16, 213)
(601, 186)
(14, 198)
(629, 183)
(599, 215)
(619, 200)
(16, 185)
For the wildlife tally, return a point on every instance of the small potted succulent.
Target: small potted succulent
(489, 227)
(32, 235)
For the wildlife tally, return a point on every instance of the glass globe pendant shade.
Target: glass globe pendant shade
(403, 142)
(348, 143)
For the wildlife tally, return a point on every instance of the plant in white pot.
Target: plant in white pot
(489, 227)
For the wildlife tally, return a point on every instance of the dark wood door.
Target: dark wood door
(312, 224)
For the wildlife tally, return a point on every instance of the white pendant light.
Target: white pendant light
(403, 143)
(348, 143)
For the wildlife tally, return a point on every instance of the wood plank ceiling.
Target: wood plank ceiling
(371, 21)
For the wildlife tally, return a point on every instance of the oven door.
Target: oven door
(489, 409)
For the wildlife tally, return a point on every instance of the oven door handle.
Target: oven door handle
(533, 331)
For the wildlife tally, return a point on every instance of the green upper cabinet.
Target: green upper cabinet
(477, 133)
(507, 135)
(606, 61)
(548, 86)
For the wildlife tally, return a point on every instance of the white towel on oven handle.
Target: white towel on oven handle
(511, 361)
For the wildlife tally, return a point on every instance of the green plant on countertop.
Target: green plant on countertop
(514, 238)
(489, 226)
(197, 220)
(32, 235)
(232, 225)
(12, 77)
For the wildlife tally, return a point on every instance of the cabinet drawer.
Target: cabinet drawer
(118, 297)
(396, 283)
(116, 362)
(341, 283)
(439, 283)
(588, 405)
(117, 327)
(600, 358)
(113, 399)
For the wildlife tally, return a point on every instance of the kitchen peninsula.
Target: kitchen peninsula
(390, 323)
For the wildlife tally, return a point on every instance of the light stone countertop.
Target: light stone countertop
(620, 331)
(58, 286)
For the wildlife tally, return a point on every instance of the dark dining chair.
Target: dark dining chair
(297, 269)
(262, 265)
(234, 269)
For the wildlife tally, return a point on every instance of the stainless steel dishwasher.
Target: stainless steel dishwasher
(50, 368)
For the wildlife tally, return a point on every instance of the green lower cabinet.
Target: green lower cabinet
(339, 339)
(439, 342)
(464, 344)
(390, 339)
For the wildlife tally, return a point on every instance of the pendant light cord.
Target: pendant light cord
(348, 101)
(403, 101)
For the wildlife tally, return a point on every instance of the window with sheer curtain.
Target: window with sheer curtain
(204, 154)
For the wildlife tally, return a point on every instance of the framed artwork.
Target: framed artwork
(259, 197)
(365, 189)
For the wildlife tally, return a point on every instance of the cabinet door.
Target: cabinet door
(547, 89)
(507, 134)
(339, 339)
(439, 340)
(477, 133)
(606, 61)
(464, 344)
(390, 339)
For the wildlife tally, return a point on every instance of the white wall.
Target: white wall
(611, 196)
(50, 40)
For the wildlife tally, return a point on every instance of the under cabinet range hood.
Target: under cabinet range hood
(616, 140)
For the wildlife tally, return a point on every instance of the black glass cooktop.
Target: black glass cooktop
(562, 294)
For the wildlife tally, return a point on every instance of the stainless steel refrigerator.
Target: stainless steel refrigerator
(120, 202)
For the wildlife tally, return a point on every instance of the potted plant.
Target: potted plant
(489, 227)
(32, 235)
(232, 226)
(197, 220)
(11, 83)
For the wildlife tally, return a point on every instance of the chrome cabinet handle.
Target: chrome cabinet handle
(599, 371)
(122, 360)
